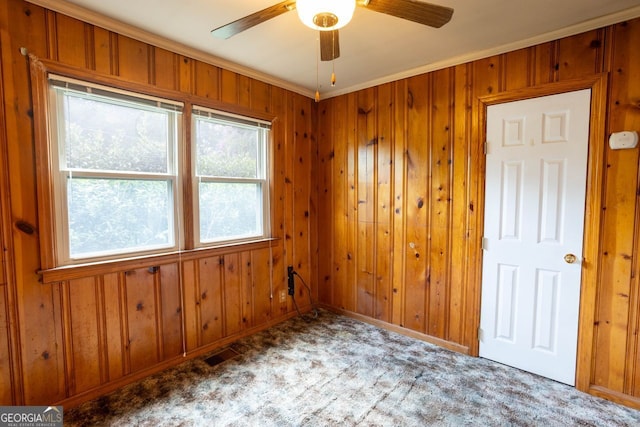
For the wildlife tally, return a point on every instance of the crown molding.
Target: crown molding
(66, 8)
(83, 14)
(582, 27)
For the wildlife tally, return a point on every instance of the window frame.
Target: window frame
(60, 175)
(44, 229)
(263, 171)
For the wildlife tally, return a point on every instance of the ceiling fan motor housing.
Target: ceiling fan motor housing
(325, 20)
(325, 15)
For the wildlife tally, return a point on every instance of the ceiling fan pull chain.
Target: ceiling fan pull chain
(317, 73)
(333, 61)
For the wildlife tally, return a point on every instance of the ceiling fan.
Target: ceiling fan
(328, 16)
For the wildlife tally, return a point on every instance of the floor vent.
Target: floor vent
(221, 356)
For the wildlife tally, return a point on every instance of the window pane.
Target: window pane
(101, 135)
(226, 150)
(230, 210)
(108, 215)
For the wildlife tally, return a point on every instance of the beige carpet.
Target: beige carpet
(336, 371)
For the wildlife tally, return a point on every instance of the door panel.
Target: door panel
(534, 216)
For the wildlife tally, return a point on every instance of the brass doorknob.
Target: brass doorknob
(570, 258)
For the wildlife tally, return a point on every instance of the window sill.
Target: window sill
(78, 271)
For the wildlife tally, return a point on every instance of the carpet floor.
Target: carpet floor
(336, 371)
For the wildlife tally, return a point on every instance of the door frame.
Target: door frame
(593, 212)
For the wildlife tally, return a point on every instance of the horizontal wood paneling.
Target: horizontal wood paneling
(438, 175)
(90, 329)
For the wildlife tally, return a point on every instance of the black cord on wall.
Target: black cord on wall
(293, 274)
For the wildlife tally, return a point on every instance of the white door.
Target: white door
(534, 216)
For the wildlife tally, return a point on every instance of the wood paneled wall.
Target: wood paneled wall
(79, 332)
(401, 175)
(393, 185)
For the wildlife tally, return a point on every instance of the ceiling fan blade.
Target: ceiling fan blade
(412, 10)
(239, 25)
(329, 45)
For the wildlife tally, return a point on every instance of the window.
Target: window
(230, 186)
(116, 175)
(115, 171)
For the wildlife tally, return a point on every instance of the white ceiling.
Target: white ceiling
(375, 48)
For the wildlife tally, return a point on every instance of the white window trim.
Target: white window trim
(263, 172)
(60, 175)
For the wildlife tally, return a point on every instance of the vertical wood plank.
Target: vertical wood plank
(279, 136)
(580, 55)
(85, 339)
(167, 69)
(400, 157)
(247, 290)
(133, 60)
(325, 211)
(228, 86)
(185, 76)
(274, 307)
(632, 379)
(207, 78)
(6, 380)
(171, 311)
(289, 162)
(102, 53)
(366, 208)
(517, 69)
(262, 271)
(313, 236)
(142, 319)
(459, 205)
(384, 204)
(417, 205)
(440, 215)
(244, 91)
(71, 42)
(352, 203)
(340, 193)
(232, 294)
(545, 63)
(113, 326)
(191, 298)
(486, 74)
(260, 96)
(301, 193)
(210, 299)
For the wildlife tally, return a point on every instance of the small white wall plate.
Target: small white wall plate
(622, 140)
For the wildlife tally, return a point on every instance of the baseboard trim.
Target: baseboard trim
(458, 348)
(615, 396)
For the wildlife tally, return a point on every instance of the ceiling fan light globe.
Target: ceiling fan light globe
(341, 9)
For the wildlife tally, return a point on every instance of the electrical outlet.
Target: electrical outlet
(291, 280)
(283, 296)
